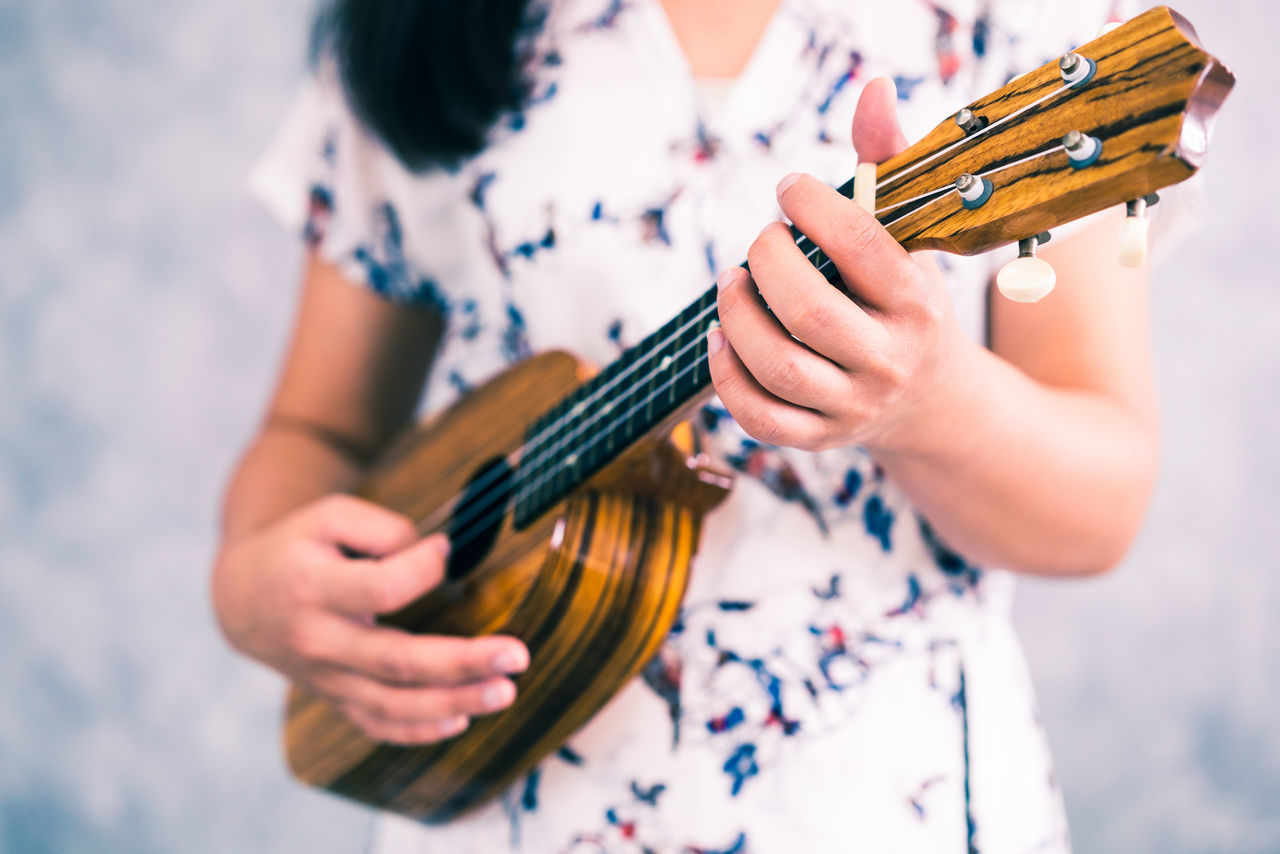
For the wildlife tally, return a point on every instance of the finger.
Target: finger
(875, 269)
(394, 703)
(359, 525)
(399, 658)
(805, 303)
(408, 734)
(877, 136)
(759, 413)
(363, 587)
(782, 365)
(403, 704)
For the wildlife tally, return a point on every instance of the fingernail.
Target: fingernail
(726, 278)
(786, 182)
(511, 661)
(498, 695)
(715, 340)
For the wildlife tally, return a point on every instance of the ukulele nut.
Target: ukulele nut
(864, 187)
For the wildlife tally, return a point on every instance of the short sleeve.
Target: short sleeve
(329, 180)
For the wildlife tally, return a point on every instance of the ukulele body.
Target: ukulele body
(592, 587)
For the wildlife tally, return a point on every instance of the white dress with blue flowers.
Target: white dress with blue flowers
(838, 679)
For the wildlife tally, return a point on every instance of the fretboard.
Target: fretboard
(634, 394)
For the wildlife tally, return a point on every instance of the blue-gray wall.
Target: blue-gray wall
(143, 303)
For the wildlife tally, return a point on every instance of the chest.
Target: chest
(615, 197)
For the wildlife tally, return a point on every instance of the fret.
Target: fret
(653, 372)
(553, 469)
(709, 313)
(703, 375)
(541, 462)
(623, 416)
(542, 438)
(665, 366)
(525, 471)
(610, 431)
(607, 405)
(815, 255)
(670, 362)
(623, 397)
(680, 357)
(632, 395)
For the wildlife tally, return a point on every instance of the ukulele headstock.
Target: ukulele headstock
(1132, 115)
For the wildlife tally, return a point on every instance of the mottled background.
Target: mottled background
(144, 297)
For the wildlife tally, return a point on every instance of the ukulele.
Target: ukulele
(573, 507)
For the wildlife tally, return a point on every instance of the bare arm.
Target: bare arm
(1041, 454)
(350, 379)
(285, 590)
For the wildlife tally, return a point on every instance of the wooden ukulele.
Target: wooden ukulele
(574, 516)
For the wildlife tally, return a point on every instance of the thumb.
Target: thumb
(877, 135)
(357, 527)
(390, 583)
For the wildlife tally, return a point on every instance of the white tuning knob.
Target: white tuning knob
(1027, 278)
(1133, 234)
(1133, 241)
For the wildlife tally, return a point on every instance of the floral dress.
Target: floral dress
(838, 679)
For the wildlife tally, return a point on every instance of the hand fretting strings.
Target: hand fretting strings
(486, 498)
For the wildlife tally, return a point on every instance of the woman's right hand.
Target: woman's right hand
(290, 596)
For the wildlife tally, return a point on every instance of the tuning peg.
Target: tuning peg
(1027, 278)
(969, 121)
(1076, 70)
(1082, 150)
(1133, 234)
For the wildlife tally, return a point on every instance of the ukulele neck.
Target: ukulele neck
(634, 395)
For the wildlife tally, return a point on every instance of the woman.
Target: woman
(521, 179)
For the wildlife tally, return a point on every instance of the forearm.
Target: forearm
(1018, 474)
(286, 466)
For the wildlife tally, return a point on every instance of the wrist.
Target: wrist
(933, 424)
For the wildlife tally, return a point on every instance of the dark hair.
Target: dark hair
(429, 77)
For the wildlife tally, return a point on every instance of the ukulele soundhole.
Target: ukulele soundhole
(478, 517)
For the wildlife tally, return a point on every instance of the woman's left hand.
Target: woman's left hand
(809, 367)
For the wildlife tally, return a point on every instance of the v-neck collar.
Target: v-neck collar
(758, 97)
